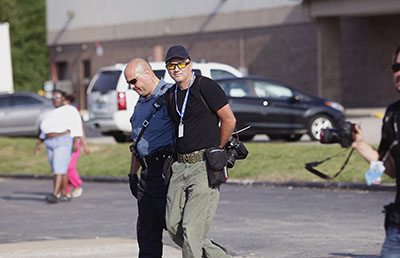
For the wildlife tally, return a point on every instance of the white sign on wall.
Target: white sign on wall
(6, 76)
(6, 80)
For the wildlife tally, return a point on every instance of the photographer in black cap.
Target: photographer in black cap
(195, 104)
(387, 158)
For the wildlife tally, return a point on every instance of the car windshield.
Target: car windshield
(24, 101)
(236, 88)
(106, 81)
(216, 74)
(264, 89)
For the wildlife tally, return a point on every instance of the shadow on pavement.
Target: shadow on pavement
(12, 198)
(32, 193)
(25, 196)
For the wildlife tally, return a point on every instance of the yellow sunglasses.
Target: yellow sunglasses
(180, 65)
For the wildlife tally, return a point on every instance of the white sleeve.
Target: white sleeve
(75, 125)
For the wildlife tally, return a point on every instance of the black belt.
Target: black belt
(155, 160)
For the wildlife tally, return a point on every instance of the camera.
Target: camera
(343, 134)
(236, 150)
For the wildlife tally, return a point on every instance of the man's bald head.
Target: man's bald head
(140, 77)
(136, 66)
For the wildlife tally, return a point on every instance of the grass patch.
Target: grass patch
(269, 161)
(16, 157)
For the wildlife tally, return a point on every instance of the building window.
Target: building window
(86, 72)
(61, 68)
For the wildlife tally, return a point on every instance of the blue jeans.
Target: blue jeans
(391, 246)
(59, 152)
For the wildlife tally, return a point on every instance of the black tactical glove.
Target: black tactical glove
(133, 184)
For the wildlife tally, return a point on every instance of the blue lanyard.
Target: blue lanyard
(181, 114)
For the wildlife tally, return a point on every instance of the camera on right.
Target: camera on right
(236, 150)
(343, 134)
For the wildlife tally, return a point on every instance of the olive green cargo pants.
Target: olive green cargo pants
(191, 206)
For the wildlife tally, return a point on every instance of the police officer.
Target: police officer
(153, 142)
(387, 158)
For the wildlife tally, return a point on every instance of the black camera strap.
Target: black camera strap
(158, 103)
(395, 142)
(310, 166)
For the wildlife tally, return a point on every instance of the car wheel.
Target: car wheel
(317, 123)
(120, 137)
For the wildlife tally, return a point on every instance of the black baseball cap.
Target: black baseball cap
(177, 51)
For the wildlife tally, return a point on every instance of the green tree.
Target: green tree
(27, 21)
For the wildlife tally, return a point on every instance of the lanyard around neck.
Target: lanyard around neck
(181, 114)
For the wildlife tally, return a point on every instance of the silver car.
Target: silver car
(21, 113)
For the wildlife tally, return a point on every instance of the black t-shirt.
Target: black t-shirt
(201, 128)
(388, 136)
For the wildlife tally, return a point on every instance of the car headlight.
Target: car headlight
(335, 105)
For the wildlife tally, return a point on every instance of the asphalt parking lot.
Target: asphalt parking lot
(251, 221)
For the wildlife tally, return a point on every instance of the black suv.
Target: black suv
(278, 110)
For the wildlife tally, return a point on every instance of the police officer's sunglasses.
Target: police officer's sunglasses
(395, 67)
(180, 65)
(134, 80)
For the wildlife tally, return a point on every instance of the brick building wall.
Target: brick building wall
(286, 53)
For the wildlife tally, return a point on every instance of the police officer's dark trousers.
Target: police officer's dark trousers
(151, 205)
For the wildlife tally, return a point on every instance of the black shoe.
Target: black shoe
(64, 198)
(52, 198)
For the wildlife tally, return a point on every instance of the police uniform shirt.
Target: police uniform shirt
(160, 132)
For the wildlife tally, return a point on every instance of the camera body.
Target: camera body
(236, 150)
(343, 134)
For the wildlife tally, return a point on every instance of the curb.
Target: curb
(328, 185)
(365, 112)
(84, 178)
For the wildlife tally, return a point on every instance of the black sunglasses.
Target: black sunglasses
(134, 80)
(395, 67)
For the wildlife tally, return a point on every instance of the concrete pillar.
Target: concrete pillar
(328, 54)
(158, 52)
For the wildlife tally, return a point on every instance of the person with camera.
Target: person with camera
(387, 158)
(195, 104)
(153, 143)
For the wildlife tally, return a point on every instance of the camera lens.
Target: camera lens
(343, 134)
(231, 161)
